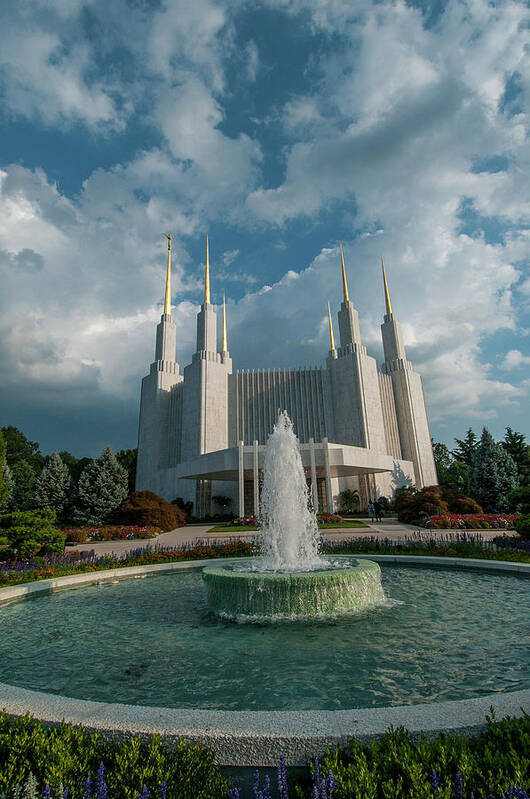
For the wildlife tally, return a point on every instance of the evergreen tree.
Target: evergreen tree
(466, 448)
(515, 444)
(102, 487)
(52, 486)
(4, 487)
(75, 465)
(128, 459)
(492, 475)
(23, 475)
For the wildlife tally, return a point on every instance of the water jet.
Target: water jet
(290, 579)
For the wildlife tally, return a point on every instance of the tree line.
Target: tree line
(79, 490)
(484, 469)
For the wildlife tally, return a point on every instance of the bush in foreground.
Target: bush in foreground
(70, 755)
(146, 509)
(397, 765)
(31, 533)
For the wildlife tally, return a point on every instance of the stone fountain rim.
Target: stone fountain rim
(218, 569)
(257, 738)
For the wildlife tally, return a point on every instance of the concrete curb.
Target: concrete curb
(243, 738)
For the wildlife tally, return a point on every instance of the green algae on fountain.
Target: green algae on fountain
(290, 579)
(293, 594)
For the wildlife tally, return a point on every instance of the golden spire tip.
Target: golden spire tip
(331, 336)
(387, 295)
(167, 299)
(224, 347)
(344, 281)
(207, 274)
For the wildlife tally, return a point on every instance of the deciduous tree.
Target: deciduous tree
(23, 475)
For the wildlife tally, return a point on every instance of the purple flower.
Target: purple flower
(331, 784)
(101, 786)
(233, 793)
(162, 790)
(87, 788)
(283, 790)
(255, 788)
(459, 785)
(435, 782)
(47, 792)
(144, 793)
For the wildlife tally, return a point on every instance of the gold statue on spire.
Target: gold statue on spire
(207, 275)
(387, 295)
(331, 336)
(167, 299)
(224, 347)
(344, 281)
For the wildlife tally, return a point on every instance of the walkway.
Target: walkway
(388, 528)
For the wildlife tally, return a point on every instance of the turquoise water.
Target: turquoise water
(153, 642)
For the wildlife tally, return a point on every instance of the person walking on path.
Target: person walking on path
(377, 511)
(371, 510)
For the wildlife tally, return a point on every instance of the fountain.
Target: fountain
(289, 579)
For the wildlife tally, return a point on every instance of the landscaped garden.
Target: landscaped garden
(68, 762)
(250, 524)
(45, 510)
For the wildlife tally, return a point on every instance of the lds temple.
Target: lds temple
(202, 433)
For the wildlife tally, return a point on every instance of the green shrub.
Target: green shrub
(522, 525)
(399, 764)
(69, 755)
(31, 533)
(519, 499)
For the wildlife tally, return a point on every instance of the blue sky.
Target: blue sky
(280, 129)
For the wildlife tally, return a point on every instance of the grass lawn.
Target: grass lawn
(233, 528)
(240, 528)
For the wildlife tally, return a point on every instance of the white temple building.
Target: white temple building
(202, 433)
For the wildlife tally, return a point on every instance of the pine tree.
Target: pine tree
(466, 447)
(515, 444)
(52, 486)
(492, 475)
(4, 487)
(101, 488)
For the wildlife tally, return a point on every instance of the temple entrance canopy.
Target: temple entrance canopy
(322, 461)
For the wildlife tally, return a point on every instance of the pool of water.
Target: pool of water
(446, 635)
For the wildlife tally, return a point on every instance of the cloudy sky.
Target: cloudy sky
(280, 128)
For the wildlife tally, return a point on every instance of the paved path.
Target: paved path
(388, 528)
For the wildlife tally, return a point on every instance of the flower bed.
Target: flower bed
(498, 521)
(465, 545)
(245, 521)
(83, 535)
(329, 518)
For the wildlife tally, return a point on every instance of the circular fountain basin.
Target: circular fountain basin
(241, 592)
